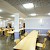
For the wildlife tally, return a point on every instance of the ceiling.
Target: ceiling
(41, 7)
(9, 7)
(8, 10)
(5, 11)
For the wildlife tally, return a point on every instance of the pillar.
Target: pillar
(16, 26)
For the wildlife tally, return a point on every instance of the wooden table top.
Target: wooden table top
(10, 32)
(29, 42)
(4, 29)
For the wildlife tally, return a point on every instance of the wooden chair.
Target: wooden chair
(17, 41)
(1, 32)
(22, 37)
(6, 33)
(26, 34)
(42, 45)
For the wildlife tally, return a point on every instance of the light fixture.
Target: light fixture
(12, 15)
(1, 10)
(48, 13)
(9, 18)
(22, 18)
(28, 5)
(33, 14)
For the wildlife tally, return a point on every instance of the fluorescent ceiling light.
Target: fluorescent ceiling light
(28, 5)
(48, 13)
(22, 18)
(33, 14)
(12, 15)
(1, 10)
(9, 18)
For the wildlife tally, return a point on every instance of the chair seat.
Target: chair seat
(43, 45)
(39, 44)
(26, 34)
(7, 34)
(22, 37)
(17, 41)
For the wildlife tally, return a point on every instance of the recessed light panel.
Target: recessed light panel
(22, 18)
(9, 18)
(28, 5)
(48, 13)
(1, 10)
(12, 15)
(33, 14)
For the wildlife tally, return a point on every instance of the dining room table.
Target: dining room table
(28, 43)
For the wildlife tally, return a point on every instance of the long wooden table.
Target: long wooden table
(28, 43)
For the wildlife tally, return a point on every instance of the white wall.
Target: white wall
(37, 23)
(0, 23)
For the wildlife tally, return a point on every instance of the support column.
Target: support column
(16, 26)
